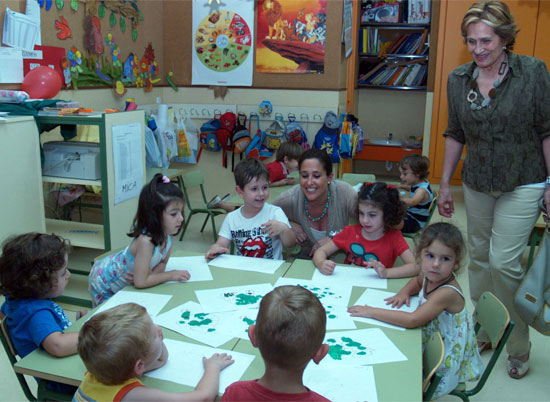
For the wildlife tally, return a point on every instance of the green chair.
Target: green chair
(356, 178)
(491, 315)
(431, 360)
(42, 392)
(431, 210)
(192, 179)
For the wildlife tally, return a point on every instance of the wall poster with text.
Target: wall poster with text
(291, 36)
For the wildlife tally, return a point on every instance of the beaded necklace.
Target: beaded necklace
(449, 279)
(472, 95)
(325, 209)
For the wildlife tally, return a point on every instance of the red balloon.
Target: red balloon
(42, 83)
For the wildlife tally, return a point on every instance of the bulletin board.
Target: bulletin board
(167, 26)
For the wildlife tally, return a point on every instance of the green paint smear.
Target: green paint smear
(331, 340)
(361, 353)
(248, 321)
(351, 343)
(211, 329)
(196, 323)
(243, 299)
(201, 316)
(332, 316)
(186, 315)
(336, 352)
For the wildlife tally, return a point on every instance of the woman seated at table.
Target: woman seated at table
(320, 206)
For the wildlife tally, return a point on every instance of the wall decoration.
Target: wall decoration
(125, 9)
(291, 36)
(223, 44)
(63, 27)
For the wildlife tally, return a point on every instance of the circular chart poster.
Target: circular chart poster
(223, 41)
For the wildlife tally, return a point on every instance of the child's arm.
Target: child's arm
(320, 258)
(404, 295)
(206, 389)
(276, 228)
(60, 344)
(408, 269)
(442, 299)
(402, 186)
(220, 247)
(419, 196)
(143, 276)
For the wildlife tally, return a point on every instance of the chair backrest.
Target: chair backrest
(10, 351)
(492, 316)
(432, 358)
(356, 178)
(191, 179)
(433, 207)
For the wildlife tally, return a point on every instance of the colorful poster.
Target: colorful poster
(291, 36)
(223, 43)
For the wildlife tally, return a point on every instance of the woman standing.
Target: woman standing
(498, 108)
(320, 206)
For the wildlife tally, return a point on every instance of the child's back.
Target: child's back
(413, 170)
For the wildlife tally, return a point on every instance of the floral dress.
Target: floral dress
(462, 361)
(108, 275)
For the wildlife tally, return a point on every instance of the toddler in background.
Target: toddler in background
(143, 262)
(440, 251)
(413, 171)
(258, 228)
(120, 344)
(33, 271)
(373, 243)
(286, 161)
(289, 332)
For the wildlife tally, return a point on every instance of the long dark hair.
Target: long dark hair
(153, 199)
(387, 199)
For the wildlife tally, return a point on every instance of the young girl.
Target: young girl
(441, 307)
(33, 271)
(373, 243)
(143, 262)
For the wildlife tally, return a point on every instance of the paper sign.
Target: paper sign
(20, 31)
(49, 56)
(196, 265)
(127, 158)
(12, 65)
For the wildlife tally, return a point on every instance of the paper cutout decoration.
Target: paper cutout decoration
(93, 41)
(63, 27)
(59, 4)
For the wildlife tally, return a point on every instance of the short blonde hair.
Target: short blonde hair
(290, 327)
(111, 342)
(495, 14)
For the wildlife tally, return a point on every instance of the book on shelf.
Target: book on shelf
(422, 45)
(411, 76)
(396, 43)
(419, 12)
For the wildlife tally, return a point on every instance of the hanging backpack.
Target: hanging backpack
(351, 136)
(241, 138)
(224, 133)
(327, 137)
(256, 148)
(274, 134)
(295, 133)
(207, 135)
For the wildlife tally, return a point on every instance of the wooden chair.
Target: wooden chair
(192, 179)
(491, 315)
(431, 210)
(431, 360)
(356, 178)
(43, 393)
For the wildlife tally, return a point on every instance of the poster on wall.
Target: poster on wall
(291, 36)
(223, 43)
(127, 157)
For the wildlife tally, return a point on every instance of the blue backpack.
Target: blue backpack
(207, 135)
(256, 148)
(295, 133)
(351, 136)
(327, 137)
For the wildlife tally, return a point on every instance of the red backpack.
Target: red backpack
(224, 134)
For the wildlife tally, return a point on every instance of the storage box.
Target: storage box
(72, 159)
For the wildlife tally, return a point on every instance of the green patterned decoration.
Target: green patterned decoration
(134, 34)
(101, 10)
(59, 4)
(122, 23)
(112, 19)
(74, 5)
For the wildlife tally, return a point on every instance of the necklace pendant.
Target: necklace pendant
(472, 96)
(492, 93)
(485, 102)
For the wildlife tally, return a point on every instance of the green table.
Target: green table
(71, 369)
(398, 381)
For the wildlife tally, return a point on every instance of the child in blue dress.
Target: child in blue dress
(441, 305)
(33, 271)
(143, 262)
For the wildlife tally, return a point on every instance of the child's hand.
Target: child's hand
(129, 278)
(301, 236)
(274, 228)
(327, 267)
(378, 267)
(398, 300)
(215, 251)
(180, 275)
(361, 311)
(290, 180)
(218, 361)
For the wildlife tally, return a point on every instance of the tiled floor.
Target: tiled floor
(534, 387)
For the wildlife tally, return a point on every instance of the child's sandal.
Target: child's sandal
(483, 346)
(518, 368)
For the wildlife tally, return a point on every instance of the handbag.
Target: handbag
(532, 299)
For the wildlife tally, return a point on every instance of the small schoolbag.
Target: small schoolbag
(256, 148)
(240, 137)
(351, 136)
(224, 133)
(295, 133)
(327, 137)
(207, 135)
(274, 134)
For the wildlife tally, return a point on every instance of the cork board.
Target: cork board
(148, 29)
(178, 50)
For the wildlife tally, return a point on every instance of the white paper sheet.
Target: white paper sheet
(236, 323)
(12, 65)
(262, 265)
(127, 157)
(153, 302)
(196, 265)
(375, 298)
(334, 299)
(20, 31)
(184, 365)
(360, 347)
(345, 275)
(232, 298)
(190, 320)
(342, 383)
(32, 10)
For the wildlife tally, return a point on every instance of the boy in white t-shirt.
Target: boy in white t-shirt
(258, 229)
